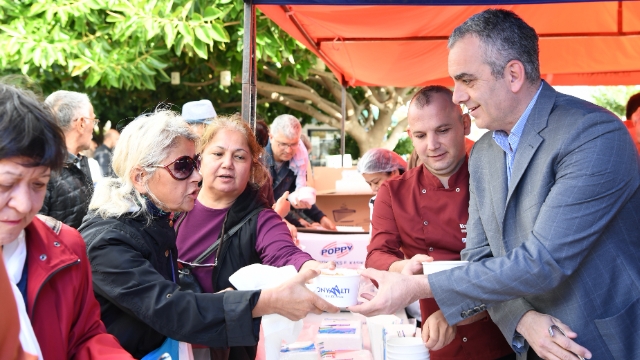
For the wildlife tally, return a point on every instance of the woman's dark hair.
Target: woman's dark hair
(262, 133)
(28, 129)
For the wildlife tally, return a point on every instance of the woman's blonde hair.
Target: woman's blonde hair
(146, 141)
(259, 174)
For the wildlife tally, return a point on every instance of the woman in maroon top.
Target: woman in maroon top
(231, 177)
(424, 212)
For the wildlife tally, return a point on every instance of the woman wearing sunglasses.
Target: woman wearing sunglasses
(232, 174)
(132, 249)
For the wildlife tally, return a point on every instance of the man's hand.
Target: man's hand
(282, 206)
(414, 265)
(534, 326)
(327, 224)
(436, 332)
(292, 299)
(395, 291)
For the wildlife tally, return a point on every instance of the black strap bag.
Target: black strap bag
(185, 269)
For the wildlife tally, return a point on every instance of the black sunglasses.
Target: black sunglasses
(182, 167)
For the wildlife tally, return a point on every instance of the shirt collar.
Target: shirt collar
(513, 138)
(458, 179)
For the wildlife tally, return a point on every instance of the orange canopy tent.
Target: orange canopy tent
(581, 43)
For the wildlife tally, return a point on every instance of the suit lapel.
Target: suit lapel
(497, 169)
(531, 139)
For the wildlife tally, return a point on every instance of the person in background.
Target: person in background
(633, 119)
(423, 212)
(378, 165)
(45, 260)
(554, 204)
(198, 114)
(94, 166)
(104, 152)
(284, 141)
(232, 175)
(131, 244)
(70, 190)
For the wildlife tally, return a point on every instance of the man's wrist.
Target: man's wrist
(423, 287)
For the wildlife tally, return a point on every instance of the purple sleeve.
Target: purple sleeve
(274, 243)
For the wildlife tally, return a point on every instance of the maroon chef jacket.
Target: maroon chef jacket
(415, 214)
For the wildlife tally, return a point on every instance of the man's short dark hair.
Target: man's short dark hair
(504, 37)
(632, 105)
(28, 129)
(424, 96)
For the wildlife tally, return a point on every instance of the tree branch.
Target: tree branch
(302, 107)
(239, 103)
(321, 103)
(289, 81)
(396, 133)
(372, 99)
(204, 83)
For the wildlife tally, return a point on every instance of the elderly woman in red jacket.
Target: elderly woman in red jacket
(45, 260)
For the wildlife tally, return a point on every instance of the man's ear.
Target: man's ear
(466, 122)
(138, 178)
(514, 73)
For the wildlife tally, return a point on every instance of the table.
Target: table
(310, 328)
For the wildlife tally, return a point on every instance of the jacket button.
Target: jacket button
(430, 249)
(425, 223)
(56, 244)
(424, 191)
(168, 296)
(43, 257)
(463, 314)
(457, 189)
(166, 253)
(464, 339)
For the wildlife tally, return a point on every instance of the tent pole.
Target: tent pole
(249, 91)
(344, 118)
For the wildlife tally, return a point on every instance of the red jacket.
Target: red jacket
(64, 312)
(415, 214)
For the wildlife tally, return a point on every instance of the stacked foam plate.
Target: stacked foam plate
(406, 348)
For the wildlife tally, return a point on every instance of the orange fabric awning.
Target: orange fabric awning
(586, 43)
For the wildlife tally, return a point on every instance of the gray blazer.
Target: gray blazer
(563, 238)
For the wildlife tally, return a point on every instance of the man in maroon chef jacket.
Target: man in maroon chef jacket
(424, 212)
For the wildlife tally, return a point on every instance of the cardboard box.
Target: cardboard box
(325, 178)
(345, 209)
(347, 250)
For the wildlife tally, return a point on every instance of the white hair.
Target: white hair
(287, 125)
(66, 105)
(146, 141)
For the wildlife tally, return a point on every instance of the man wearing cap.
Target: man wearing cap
(633, 119)
(198, 114)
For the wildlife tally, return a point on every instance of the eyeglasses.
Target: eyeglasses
(182, 167)
(284, 146)
(94, 120)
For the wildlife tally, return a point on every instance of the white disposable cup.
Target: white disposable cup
(375, 326)
(430, 267)
(339, 287)
(406, 348)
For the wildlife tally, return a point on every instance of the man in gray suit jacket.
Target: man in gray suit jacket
(554, 208)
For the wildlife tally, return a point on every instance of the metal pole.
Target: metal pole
(249, 91)
(344, 119)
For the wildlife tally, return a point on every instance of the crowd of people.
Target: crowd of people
(137, 264)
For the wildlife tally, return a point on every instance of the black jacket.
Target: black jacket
(133, 264)
(103, 155)
(69, 192)
(239, 250)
